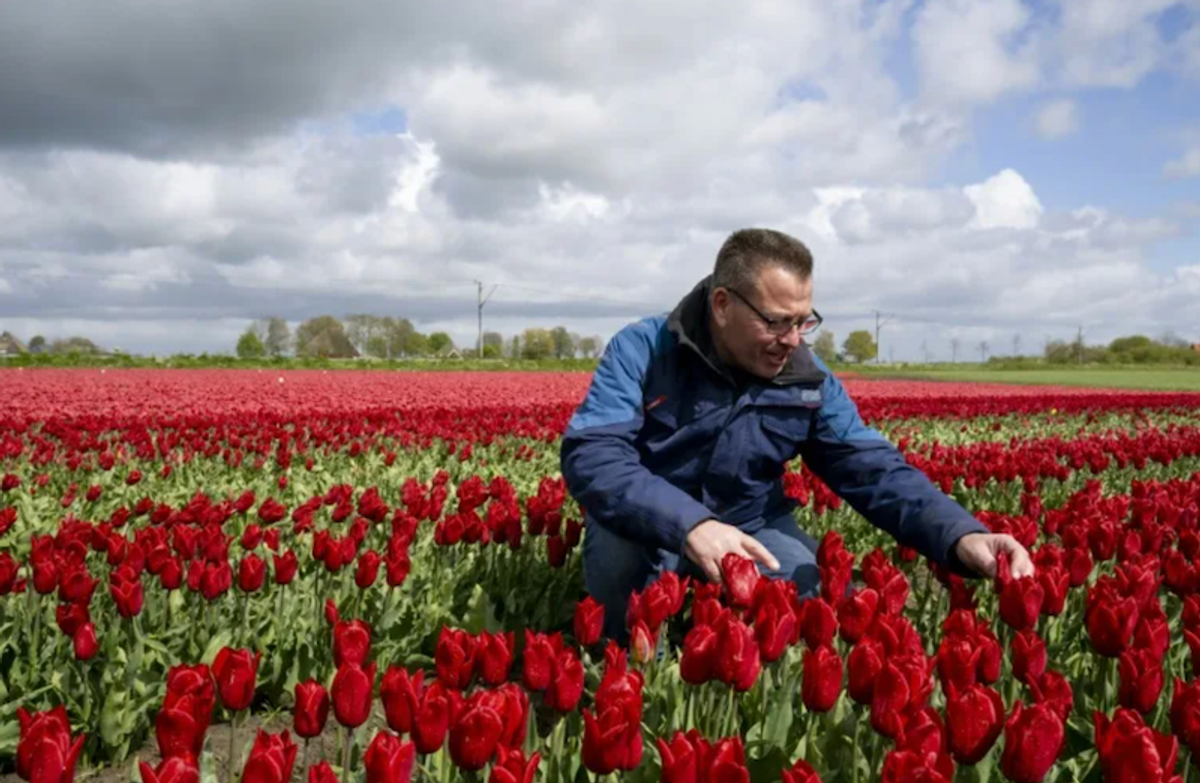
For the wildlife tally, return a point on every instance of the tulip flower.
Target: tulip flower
(495, 657)
(589, 621)
(740, 577)
(176, 769)
(351, 694)
(1131, 751)
(818, 623)
(537, 666)
(351, 642)
(1033, 738)
(400, 693)
(800, 772)
(235, 672)
(286, 566)
(680, 757)
(84, 642)
(454, 657)
(437, 710)
(974, 720)
(1185, 714)
(697, 662)
(388, 759)
(271, 759)
(1141, 680)
(822, 679)
(566, 682)
(45, 751)
(1028, 656)
(512, 767)
(311, 710)
(252, 573)
(323, 773)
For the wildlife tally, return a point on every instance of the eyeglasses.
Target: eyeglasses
(782, 326)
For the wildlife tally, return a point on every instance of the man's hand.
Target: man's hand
(978, 552)
(709, 542)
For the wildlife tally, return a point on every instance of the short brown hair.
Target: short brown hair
(746, 251)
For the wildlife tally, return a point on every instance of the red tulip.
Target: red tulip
(1028, 656)
(368, 569)
(974, 719)
(1131, 752)
(475, 735)
(736, 661)
(128, 596)
(235, 672)
(801, 772)
(862, 668)
(512, 767)
(540, 651)
(252, 573)
(1053, 689)
(45, 750)
(822, 682)
(176, 769)
(725, 762)
(286, 566)
(311, 710)
(401, 694)
(589, 621)
(389, 759)
(1033, 738)
(641, 642)
(774, 629)
(1185, 713)
(699, 655)
(436, 712)
(740, 577)
(566, 682)
(819, 623)
(271, 759)
(351, 643)
(680, 757)
(84, 642)
(855, 613)
(351, 694)
(455, 658)
(182, 722)
(322, 773)
(902, 766)
(71, 617)
(1142, 680)
(1110, 622)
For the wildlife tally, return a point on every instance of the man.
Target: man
(677, 453)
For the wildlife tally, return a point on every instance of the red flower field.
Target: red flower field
(376, 576)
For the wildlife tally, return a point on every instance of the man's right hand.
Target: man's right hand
(709, 542)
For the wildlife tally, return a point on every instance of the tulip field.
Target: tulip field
(265, 576)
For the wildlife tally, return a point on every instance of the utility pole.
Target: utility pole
(878, 324)
(1079, 345)
(482, 300)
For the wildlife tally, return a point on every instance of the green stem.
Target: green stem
(232, 736)
(855, 748)
(346, 754)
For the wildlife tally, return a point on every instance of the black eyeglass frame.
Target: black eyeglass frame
(774, 325)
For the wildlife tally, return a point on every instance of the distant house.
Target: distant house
(1196, 347)
(11, 346)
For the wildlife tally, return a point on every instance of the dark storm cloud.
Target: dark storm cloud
(173, 77)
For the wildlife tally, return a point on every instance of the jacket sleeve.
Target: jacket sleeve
(868, 472)
(600, 461)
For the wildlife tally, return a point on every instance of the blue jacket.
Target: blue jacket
(668, 437)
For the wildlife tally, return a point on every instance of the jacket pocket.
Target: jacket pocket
(781, 433)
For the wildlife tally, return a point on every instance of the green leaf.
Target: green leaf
(215, 644)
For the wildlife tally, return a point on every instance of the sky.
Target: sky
(978, 171)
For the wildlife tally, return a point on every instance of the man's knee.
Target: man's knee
(613, 567)
(796, 552)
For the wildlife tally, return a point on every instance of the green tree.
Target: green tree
(440, 341)
(37, 344)
(278, 336)
(589, 346)
(491, 352)
(825, 347)
(537, 344)
(417, 344)
(860, 346)
(249, 346)
(561, 345)
(493, 340)
(74, 344)
(324, 336)
(515, 351)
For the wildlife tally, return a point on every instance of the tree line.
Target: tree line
(386, 337)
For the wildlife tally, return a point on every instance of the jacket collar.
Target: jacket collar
(689, 322)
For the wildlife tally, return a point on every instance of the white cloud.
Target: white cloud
(1057, 119)
(1188, 165)
(1004, 201)
(1110, 43)
(968, 50)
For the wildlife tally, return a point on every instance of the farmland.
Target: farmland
(339, 576)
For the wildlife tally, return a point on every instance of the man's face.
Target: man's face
(745, 336)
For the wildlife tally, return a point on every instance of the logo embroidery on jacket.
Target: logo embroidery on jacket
(810, 395)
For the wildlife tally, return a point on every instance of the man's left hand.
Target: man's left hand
(978, 551)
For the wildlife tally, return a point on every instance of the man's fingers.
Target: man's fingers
(759, 552)
(712, 570)
(1021, 566)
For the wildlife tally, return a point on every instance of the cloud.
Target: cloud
(1057, 119)
(969, 52)
(166, 176)
(1188, 165)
